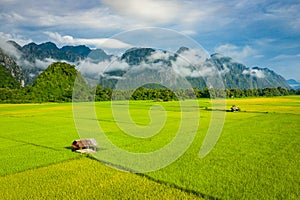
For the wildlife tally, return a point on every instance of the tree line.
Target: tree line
(29, 94)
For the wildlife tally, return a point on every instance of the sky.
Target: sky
(264, 33)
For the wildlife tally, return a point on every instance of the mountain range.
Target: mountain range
(293, 83)
(26, 62)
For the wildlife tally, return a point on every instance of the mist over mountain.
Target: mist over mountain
(100, 68)
(196, 67)
(34, 58)
(11, 75)
(239, 76)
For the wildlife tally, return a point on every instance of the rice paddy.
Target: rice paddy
(256, 157)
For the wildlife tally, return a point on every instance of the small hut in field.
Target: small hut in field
(235, 108)
(85, 145)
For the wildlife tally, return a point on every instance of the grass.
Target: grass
(34, 135)
(256, 157)
(84, 178)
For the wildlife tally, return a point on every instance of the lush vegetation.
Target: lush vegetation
(256, 157)
(37, 94)
(7, 80)
(47, 91)
(55, 84)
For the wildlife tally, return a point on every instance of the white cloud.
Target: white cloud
(43, 64)
(186, 16)
(9, 49)
(237, 53)
(286, 56)
(17, 38)
(159, 55)
(91, 69)
(58, 15)
(96, 42)
(194, 56)
(11, 17)
(154, 11)
(193, 63)
(117, 64)
(254, 72)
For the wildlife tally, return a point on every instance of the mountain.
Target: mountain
(98, 55)
(293, 83)
(14, 44)
(242, 77)
(234, 74)
(36, 57)
(135, 56)
(33, 51)
(11, 75)
(56, 83)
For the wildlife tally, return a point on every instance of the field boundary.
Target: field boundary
(171, 185)
(42, 166)
(30, 143)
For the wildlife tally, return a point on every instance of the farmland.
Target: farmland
(256, 157)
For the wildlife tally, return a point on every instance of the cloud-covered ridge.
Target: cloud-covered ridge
(95, 42)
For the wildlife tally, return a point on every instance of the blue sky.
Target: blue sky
(264, 33)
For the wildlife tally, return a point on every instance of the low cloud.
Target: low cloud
(4, 37)
(117, 64)
(89, 68)
(95, 42)
(43, 64)
(192, 56)
(193, 63)
(188, 63)
(37, 63)
(162, 55)
(254, 72)
(10, 49)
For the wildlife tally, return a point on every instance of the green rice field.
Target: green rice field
(256, 157)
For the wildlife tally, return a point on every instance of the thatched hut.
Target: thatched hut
(81, 144)
(235, 108)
